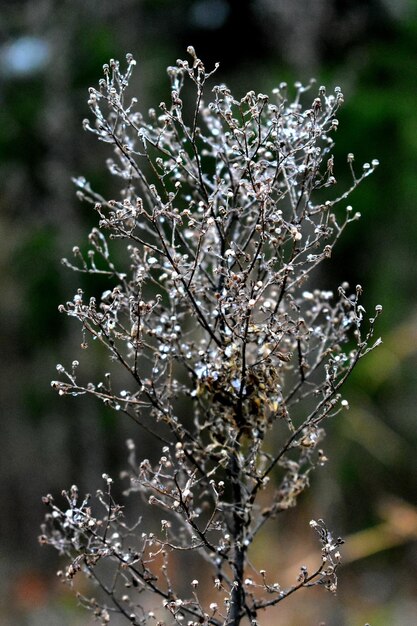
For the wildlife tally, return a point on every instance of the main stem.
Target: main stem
(237, 599)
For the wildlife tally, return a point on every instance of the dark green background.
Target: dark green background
(370, 50)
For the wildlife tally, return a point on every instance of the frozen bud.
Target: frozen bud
(378, 308)
(194, 583)
(345, 404)
(350, 157)
(313, 523)
(213, 606)
(107, 478)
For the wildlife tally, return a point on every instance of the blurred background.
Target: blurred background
(51, 51)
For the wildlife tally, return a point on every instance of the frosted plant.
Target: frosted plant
(232, 359)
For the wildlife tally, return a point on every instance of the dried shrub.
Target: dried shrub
(226, 209)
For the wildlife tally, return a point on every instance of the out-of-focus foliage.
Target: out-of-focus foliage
(50, 53)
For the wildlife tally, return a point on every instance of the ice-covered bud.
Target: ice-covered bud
(107, 478)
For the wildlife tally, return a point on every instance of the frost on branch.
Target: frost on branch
(232, 358)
